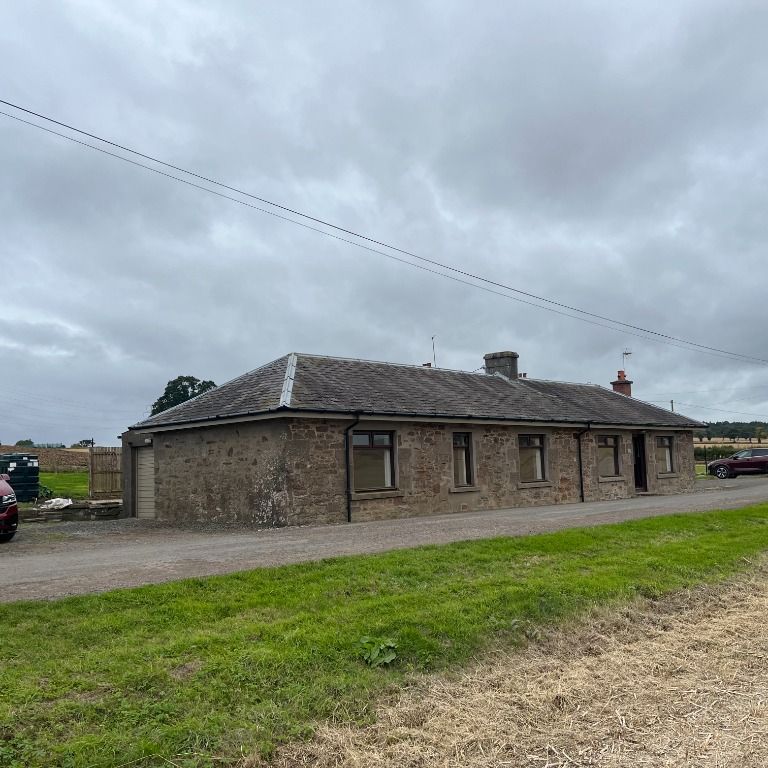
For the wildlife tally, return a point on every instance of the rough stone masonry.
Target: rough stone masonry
(291, 471)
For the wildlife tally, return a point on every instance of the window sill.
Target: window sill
(536, 484)
(612, 479)
(464, 489)
(664, 475)
(364, 495)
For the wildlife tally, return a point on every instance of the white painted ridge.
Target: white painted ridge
(290, 375)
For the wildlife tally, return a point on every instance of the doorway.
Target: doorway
(641, 474)
(145, 482)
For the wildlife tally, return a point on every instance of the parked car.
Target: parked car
(9, 512)
(750, 462)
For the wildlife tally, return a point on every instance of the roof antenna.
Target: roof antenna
(434, 358)
(624, 355)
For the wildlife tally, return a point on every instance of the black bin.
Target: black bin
(24, 471)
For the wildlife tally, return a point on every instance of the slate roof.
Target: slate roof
(299, 382)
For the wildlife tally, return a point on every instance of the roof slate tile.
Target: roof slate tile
(339, 385)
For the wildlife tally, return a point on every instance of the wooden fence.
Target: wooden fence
(105, 473)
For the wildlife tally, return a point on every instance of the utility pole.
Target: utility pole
(434, 357)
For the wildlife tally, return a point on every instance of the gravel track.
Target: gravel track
(51, 560)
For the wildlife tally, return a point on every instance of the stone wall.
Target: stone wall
(598, 488)
(425, 472)
(683, 478)
(292, 471)
(230, 473)
(316, 472)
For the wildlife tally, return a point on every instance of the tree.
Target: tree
(178, 391)
(760, 434)
(25, 443)
(88, 443)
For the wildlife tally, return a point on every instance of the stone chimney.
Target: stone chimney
(504, 363)
(622, 385)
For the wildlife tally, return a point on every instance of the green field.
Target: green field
(73, 485)
(195, 673)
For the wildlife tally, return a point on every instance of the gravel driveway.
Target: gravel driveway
(49, 560)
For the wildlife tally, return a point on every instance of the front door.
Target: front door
(638, 450)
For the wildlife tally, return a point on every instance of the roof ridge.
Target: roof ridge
(560, 381)
(290, 377)
(387, 362)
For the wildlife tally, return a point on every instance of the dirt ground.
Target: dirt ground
(54, 459)
(50, 560)
(679, 682)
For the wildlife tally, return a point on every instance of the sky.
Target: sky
(610, 156)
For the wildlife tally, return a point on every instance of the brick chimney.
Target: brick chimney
(622, 385)
(504, 363)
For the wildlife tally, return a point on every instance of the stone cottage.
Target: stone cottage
(308, 439)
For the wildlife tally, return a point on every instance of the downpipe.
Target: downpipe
(347, 465)
(581, 459)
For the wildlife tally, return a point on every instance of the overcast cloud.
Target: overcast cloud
(612, 156)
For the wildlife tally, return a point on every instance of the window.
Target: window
(608, 455)
(373, 460)
(531, 458)
(664, 454)
(462, 459)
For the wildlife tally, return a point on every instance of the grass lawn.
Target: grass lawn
(72, 485)
(196, 673)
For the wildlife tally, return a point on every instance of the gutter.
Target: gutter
(581, 459)
(347, 467)
(298, 412)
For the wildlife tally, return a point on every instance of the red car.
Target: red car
(9, 512)
(750, 462)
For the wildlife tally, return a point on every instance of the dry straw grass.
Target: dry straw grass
(678, 682)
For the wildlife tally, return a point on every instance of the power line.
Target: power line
(729, 356)
(63, 423)
(719, 390)
(64, 410)
(665, 338)
(35, 401)
(707, 408)
(761, 416)
(21, 410)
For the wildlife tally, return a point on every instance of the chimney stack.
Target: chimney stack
(622, 385)
(504, 363)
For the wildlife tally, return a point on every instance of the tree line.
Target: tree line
(738, 430)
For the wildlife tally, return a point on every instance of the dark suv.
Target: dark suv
(9, 512)
(751, 462)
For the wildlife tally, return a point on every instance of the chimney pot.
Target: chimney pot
(622, 385)
(504, 363)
